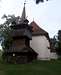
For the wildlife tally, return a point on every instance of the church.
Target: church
(30, 42)
(40, 42)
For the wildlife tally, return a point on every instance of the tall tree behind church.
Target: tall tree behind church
(59, 43)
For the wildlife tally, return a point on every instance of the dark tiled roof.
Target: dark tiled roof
(36, 30)
(21, 33)
(23, 49)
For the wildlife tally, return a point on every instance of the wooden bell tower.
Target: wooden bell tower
(20, 50)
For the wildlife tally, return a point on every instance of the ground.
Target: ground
(34, 68)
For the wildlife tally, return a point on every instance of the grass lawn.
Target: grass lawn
(35, 68)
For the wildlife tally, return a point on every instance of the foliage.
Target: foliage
(53, 42)
(5, 30)
(58, 49)
(56, 43)
(38, 1)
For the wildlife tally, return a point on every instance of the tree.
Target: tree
(56, 44)
(53, 43)
(38, 1)
(5, 30)
(59, 43)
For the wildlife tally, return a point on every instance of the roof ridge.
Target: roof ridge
(38, 26)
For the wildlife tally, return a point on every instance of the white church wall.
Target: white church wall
(40, 44)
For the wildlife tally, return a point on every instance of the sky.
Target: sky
(47, 15)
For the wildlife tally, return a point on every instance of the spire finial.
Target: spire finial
(23, 17)
(24, 3)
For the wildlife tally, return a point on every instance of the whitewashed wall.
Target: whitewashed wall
(40, 44)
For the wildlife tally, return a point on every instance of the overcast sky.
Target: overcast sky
(47, 15)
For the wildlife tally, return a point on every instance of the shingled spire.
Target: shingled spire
(23, 17)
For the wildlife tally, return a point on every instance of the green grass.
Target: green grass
(35, 68)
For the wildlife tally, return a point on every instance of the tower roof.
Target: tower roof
(23, 16)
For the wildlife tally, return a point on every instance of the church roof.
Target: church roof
(36, 30)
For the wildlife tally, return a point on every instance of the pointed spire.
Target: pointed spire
(23, 17)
